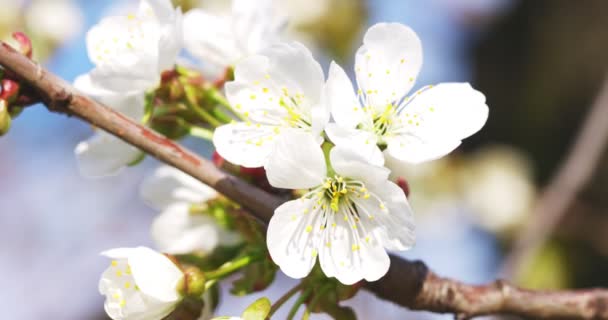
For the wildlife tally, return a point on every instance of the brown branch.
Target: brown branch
(409, 284)
(562, 190)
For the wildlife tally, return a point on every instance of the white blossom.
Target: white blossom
(176, 230)
(59, 20)
(129, 53)
(424, 126)
(225, 39)
(350, 214)
(140, 284)
(277, 92)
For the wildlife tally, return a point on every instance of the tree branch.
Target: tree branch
(409, 284)
(562, 190)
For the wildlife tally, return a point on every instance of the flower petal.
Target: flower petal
(256, 24)
(103, 155)
(350, 257)
(168, 185)
(388, 63)
(290, 237)
(436, 120)
(245, 144)
(340, 98)
(297, 162)
(177, 231)
(397, 228)
(352, 165)
(125, 52)
(217, 44)
(358, 141)
(131, 105)
(282, 84)
(155, 275)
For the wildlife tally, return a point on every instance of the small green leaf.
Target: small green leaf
(258, 310)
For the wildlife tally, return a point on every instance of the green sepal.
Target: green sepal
(258, 310)
(137, 160)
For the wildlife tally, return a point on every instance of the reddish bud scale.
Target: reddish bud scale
(9, 90)
(168, 75)
(218, 161)
(25, 44)
(402, 183)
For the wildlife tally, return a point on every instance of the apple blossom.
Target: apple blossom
(140, 283)
(177, 230)
(424, 126)
(277, 92)
(226, 39)
(350, 214)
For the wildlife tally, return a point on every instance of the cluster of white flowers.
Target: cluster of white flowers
(352, 212)
(309, 132)
(129, 53)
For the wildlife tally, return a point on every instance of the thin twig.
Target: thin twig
(408, 283)
(562, 190)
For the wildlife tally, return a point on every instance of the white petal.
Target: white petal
(170, 30)
(245, 144)
(397, 230)
(414, 150)
(285, 74)
(177, 231)
(297, 162)
(103, 155)
(125, 51)
(352, 165)
(445, 114)
(290, 237)
(168, 185)
(388, 63)
(131, 105)
(364, 143)
(118, 253)
(171, 41)
(210, 38)
(155, 275)
(256, 24)
(162, 10)
(341, 99)
(350, 257)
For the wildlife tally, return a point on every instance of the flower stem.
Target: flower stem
(200, 133)
(318, 296)
(206, 116)
(275, 306)
(230, 267)
(217, 112)
(301, 299)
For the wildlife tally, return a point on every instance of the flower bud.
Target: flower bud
(5, 118)
(24, 42)
(194, 281)
(258, 310)
(9, 90)
(140, 283)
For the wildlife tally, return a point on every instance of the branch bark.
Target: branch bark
(408, 283)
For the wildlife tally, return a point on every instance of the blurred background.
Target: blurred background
(540, 63)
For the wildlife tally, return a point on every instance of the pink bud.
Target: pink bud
(25, 44)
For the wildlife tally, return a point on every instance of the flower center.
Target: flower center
(338, 190)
